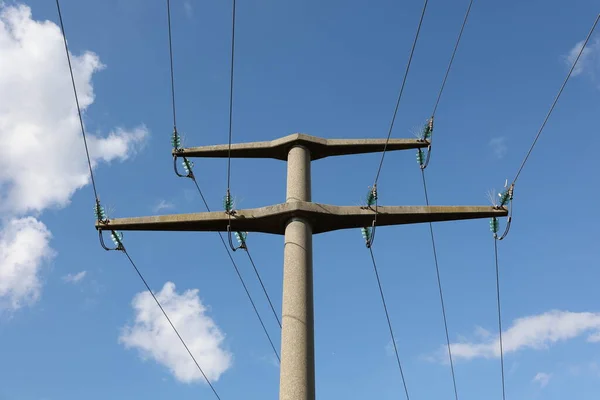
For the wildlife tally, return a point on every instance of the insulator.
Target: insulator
(420, 156)
(372, 196)
(494, 225)
(241, 237)
(99, 212)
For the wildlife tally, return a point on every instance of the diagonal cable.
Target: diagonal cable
(170, 322)
(239, 275)
(96, 196)
(462, 28)
(387, 316)
(439, 281)
(231, 95)
(263, 287)
(499, 317)
(204, 200)
(412, 51)
(556, 99)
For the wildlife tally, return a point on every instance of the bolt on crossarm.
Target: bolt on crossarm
(298, 219)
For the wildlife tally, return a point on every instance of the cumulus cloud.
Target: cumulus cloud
(542, 379)
(499, 147)
(74, 278)
(23, 245)
(42, 158)
(154, 338)
(532, 332)
(589, 60)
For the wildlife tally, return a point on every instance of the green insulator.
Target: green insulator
(372, 197)
(117, 238)
(504, 197)
(176, 140)
(99, 212)
(494, 225)
(187, 165)
(241, 237)
(420, 156)
(427, 129)
(228, 202)
(366, 233)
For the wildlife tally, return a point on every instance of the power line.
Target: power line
(87, 152)
(462, 28)
(171, 60)
(240, 275)
(439, 281)
(412, 51)
(231, 95)
(556, 99)
(170, 323)
(190, 174)
(263, 287)
(96, 198)
(499, 317)
(423, 166)
(387, 316)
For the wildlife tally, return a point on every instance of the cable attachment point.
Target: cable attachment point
(505, 197)
(228, 203)
(187, 166)
(371, 198)
(176, 141)
(368, 233)
(241, 238)
(427, 131)
(102, 218)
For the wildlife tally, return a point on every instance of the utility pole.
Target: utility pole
(298, 219)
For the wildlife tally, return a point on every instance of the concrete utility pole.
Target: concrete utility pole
(298, 219)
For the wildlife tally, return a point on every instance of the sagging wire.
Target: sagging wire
(101, 215)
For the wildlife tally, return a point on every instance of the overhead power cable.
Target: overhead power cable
(499, 318)
(120, 245)
(423, 162)
(190, 174)
(389, 323)
(410, 57)
(439, 282)
(583, 46)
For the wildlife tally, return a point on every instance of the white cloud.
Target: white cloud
(499, 147)
(163, 205)
(532, 332)
(24, 243)
(152, 335)
(42, 158)
(74, 278)
(542, 378)
(589, 60)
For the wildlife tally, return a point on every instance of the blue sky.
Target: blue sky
(329, 69)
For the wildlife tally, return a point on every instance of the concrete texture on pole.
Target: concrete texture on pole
(318, 147)
(297, 372)
(323, 217)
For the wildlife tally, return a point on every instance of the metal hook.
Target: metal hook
(119, 247)
(233, 247)
(190, 174)
(426, 163)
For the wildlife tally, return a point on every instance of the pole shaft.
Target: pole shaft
(297, 379)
